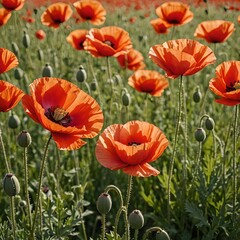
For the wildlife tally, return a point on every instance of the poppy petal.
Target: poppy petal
(144, 170)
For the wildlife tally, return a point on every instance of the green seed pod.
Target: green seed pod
(18, 73)
(11, 185)
(24, 139)
(197, 95)
(104, 203)
(47, 71)
(13, 121)
(15, 49)
(93, 86)
(162, 235)
(81, 75)
(209, 124)
(26, 40)
(136, 219)
(40, 54)
(126, 99)
(200, 135)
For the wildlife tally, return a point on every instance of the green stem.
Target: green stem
(103, 226)
(136, 234)
(117, 190)
(4, 152)
(26, 187)
(39, 187)
(120, 210)
(13, 222)
(179, 114)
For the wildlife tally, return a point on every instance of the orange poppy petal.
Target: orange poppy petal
(76, 38)
(144, 170)
(4, 16)
(227, 102)
(8, 60)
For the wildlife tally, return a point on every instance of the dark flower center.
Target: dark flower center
(109, 43)
(58, 115)
(233, 86)
(133, 143)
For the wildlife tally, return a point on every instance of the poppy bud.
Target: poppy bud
(15, 49)
(126, 99)
(26, 40)
(11, 185)
(136, 219)
(35, 11)
(22, 204)
(162, 235)
(197, 95)
(81, 75)
(209, 124)
(18, 73)
(200, 134)
(206, 11)
(47, 71)
(40, 34)
(24, 139)
(47, 193)
(104, 203)
(13, 121)
(93, 86)
(40, 54)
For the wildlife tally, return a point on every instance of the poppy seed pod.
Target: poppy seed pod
(15, 49)
(93, 86)
(197, 95)
(209, 124)
(200, 135)
(24, 139)
(13, 121)
(136, 219)
(81, 75)
(11, 185)
(26, 40)
(40, 54)
(18, 73)
(162, 235)
(126, 99)
(47, 71)
(104, 203)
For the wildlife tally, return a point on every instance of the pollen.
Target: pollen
(59, 114)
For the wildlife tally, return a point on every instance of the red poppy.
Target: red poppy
(175, 13)
(40, 34)
(8, 60)
(76, 38)
(90, 10)
(238, 19)
(133, 60)
(226, 84)
(160, 26)
(215, 31)
(107, 41)
(4, 16)
(28, 17)
(70, 115)
(56, 14)
(13, 4)
(181, 57)
(10, 96)
(131, 147)
(148, 81)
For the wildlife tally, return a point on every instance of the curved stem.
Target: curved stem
(117, 190)
(120, 210)
(179, 114)
(39, 187)
(152, 229)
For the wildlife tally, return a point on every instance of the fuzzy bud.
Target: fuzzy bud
(13, 121)
(18, 73)
(47, 71)
(15, 49)
(40, 54)
(209, 124)
(126, 99)
(81, 75)
(162, 235)
(26, 40)
(93, 86)
(11, 185)
(24, 139)
(200, 135)
(136, 219)
(197, 95)
(104, 203)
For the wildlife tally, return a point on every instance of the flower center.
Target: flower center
(233, 86)
(109, 43)
(133, 144)
(58, 115)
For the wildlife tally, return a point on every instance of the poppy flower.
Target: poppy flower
(238, 19)
(90, 10)
(107, 41)
(214, 31)
(226, 84)
(148, 81)
(8, 60)
(160, 26)
(10, 96)
(131, 147)
(133, 60)
(13, 4)
(181, 57)
(28, 17)
(4, 16)
(40, 34)
(174, 13)
(70, 115)
(76, 38)
(56, 14)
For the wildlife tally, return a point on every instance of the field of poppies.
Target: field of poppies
(120, 120)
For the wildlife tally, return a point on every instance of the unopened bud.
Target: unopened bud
(126, 99)
(200, 135)
(104, 203)
(40, 54)
(18, 73)
(26, 40)
(136, 219)
(81, 75)
(93, 86)
(13, 121)
(11, 185)
(15, 49)
(162, 235)
(24, 139)
(47, 71)
(197, 95)
(209, 124)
